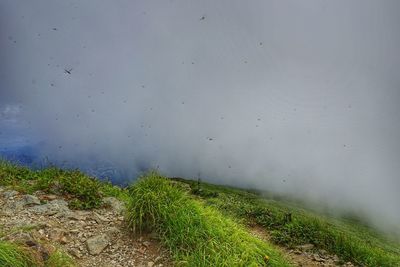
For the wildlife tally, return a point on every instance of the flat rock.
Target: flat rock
(97, 244)
(115, 204)
(51, 208)
(30, 200)
(78, 215)
(305, 247)
(10, 193)
(113, 232)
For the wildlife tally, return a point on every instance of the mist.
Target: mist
(299, 98)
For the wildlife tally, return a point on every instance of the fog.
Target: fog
(299, 98)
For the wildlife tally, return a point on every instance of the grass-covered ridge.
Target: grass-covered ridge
(203, 224)
(196, 235)
(82, 191)
(289, 225)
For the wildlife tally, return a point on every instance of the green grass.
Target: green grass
(16, 255)
(83, 191)
(59, 259)
(12, 255)
(204, 227)
(196, 235)
(290, 225)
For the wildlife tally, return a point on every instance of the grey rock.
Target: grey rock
(20, 237)
(305, 247)
(336, 259)
(30, 200)
(51, 208)
(100, 218)
(78, 215)
(113, 232)
(97, 244)
(10, 193)
(12, 206)
(74, 252)
(158, 259)
(114, 204)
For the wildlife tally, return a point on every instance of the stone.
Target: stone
(20, 237)
(305, 247)
(97, 244)
(114, 204)
(150, 264)
(64, 240)
(317, 257)
(56, 234)
(74, 252)
(298, 252)
(51, 208)
(100, 218)
(13, 206)
(146, 244)
(10, 193)
(112, 232)
(48, 197)
(78, 215)
(30, 200)
(335, 259)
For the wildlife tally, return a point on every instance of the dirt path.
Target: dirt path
(94, 238)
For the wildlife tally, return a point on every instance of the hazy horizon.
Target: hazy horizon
(300, 98)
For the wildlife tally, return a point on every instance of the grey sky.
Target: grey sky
(298, 97)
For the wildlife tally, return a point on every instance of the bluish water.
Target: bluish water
(19, 145)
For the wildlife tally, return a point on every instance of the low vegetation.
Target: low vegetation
(82, 191)
(196, 235)
(201, 224)
(16, 255)
(12, 255)
(290, 226)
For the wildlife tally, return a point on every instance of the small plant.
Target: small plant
(197, 190)
(59, 259)
(84, 190)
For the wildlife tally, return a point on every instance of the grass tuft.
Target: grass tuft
(59, 259)
(13, 255)
(196, 235)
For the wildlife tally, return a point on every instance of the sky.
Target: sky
(300, 98)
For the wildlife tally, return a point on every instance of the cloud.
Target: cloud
(299, 98)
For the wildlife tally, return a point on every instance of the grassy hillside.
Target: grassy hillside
(202, 224)
(289, 225)
(196, 235)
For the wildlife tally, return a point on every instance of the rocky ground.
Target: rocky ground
(99, 237)
(93, 238)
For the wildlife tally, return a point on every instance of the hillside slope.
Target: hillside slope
(54, 217)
